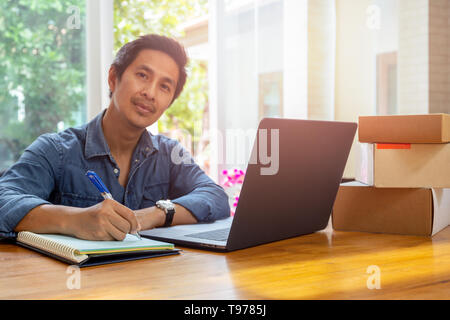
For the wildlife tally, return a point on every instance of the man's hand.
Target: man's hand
(107, 220)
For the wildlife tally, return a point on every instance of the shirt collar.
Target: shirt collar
(147, 144)
(96, 143)
(95, 140)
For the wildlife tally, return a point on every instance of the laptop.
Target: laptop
(291, 183)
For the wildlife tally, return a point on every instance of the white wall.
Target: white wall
(295, 59)
(240, 82)
(386, 38)
(413, 76)
(321, 59)
(355, 67)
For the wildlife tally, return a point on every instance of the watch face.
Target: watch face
(167, 204)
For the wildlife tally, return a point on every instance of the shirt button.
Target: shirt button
(137, 160)
(116, 171)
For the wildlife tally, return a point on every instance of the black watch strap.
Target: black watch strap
(169, 217)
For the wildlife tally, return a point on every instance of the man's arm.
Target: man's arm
(192, 189)
(26, 187)
(195, 196)
(107, 220)
(28, 183)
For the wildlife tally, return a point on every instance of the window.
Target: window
(42, 71)
(249, 70)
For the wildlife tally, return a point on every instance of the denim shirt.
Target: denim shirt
(52, 171)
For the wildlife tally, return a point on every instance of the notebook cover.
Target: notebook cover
(95, 260)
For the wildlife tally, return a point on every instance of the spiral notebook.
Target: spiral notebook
(89, 253)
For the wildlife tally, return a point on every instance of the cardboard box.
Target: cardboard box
(403, 165)
(406, 211)
(426, 128)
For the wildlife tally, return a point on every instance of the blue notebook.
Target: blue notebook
(88, 253)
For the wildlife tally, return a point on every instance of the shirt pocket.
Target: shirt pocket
(154, 193)
(80, 201)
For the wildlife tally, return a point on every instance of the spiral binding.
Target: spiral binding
(51, 246)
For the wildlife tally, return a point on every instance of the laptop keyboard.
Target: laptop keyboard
(217, 235)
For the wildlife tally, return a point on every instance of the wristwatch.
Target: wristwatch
(169, 209)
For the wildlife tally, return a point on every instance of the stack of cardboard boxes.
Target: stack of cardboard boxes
(402, 177)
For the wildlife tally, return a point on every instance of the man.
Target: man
(47, 191)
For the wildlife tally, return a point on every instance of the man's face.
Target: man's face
(145, 89)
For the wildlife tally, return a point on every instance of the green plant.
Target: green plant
(42, 71)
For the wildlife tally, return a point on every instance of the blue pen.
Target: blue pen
(98, 183)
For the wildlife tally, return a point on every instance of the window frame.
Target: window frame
(99, 54)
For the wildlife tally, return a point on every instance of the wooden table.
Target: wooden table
(324, 265)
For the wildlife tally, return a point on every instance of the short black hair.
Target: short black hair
(128, 53)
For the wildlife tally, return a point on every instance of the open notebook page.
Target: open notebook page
(130, 243)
